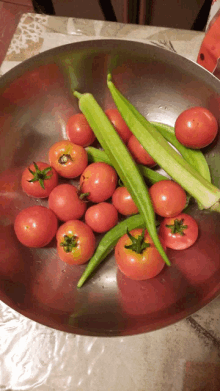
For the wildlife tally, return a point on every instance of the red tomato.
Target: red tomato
(196, 127)
(168, 198)
(138, 266)
(101, 217)
(39, 179)
(75, 242)
(35, 226)
(138, 152)
(123, 202)
(65, 203)
(68, 159)
(79, 131)
(99, 180)
(179, 232)
(119, 124)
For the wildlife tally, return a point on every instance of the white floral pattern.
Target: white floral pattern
(31, 28)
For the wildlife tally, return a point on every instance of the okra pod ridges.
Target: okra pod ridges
(122, 162)
(167, 158)
(194, 157)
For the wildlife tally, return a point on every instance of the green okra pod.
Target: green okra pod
(123, 163)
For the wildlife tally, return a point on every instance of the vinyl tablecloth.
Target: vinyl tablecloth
(181, 357)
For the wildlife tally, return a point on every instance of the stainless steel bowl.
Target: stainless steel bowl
(35, 104)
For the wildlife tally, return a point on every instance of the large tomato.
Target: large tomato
(119, 124)
(99, 180)
(39, 179)
(123, 202)
(101, 217)
(179, 232)
(75, 242)
(168, 198)
(196, 127)
(68, 159)
(65, 202)
(79, 131)
(137, 256)
(35, 226)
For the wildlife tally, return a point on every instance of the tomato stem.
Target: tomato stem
(40, 175)
(65, 158)
(69, 243)
(83, 195)
(138, 244)
(178, 227)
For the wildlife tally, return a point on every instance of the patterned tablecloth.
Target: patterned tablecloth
(181, 357)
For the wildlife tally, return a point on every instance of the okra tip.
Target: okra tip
(109, 77)
(77, 94)
(80, 283)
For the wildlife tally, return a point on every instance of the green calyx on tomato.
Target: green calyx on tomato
(138, 244)
(82, 196)
(178, 227)
(40, 175)
(65, 158)
(69, 243)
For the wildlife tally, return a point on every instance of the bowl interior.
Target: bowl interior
(35, 106)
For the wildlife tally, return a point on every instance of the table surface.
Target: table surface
(181, 357)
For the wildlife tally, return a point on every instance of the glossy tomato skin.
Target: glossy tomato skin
(123, 202)
(99, 180)
(79, 131)
(168, 198)
(85, 242)
(196, 127)
(68, 159)
(34, 189)
(119, 124)
(140, 154)
(101, 217)
(176, 241)
(64, 201)
(138, 266)
(35, 226)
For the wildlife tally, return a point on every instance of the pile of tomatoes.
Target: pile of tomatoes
(76, 214)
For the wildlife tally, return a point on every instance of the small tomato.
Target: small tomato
(75, 242)
(99, 180)
(68, 159)
(179, 232)
(101, 217)
(137, 256)
(196, 127)
(39, 179)
(35, 226)
(66, 203)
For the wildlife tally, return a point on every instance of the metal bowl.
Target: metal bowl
(35, 104)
